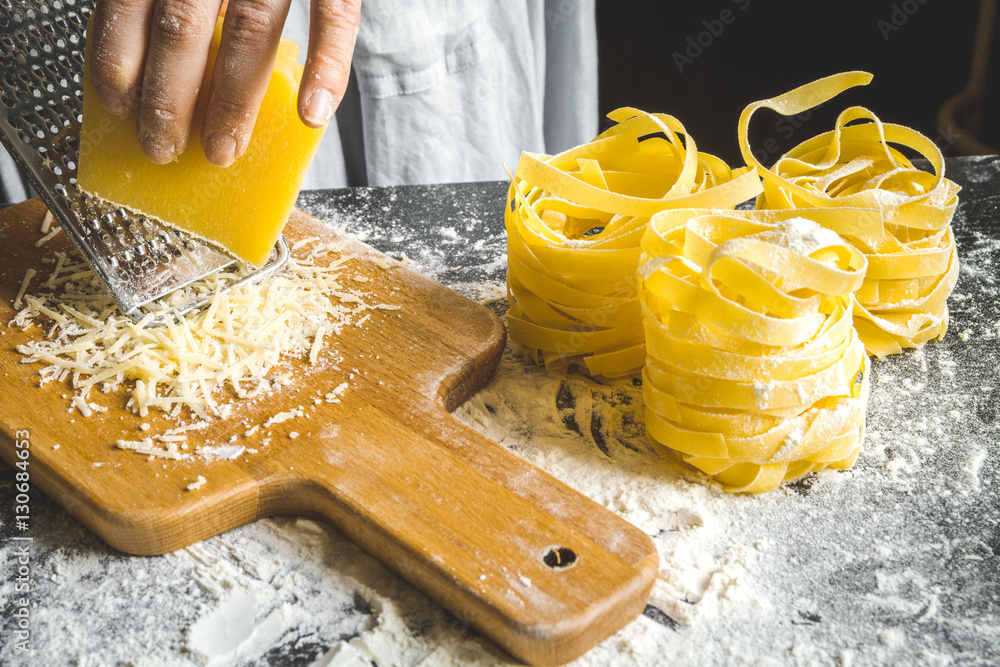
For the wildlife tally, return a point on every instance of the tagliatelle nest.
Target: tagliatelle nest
(913, 268)
(574, 222)
(754, 373)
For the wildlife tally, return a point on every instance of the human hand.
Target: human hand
(152, 54)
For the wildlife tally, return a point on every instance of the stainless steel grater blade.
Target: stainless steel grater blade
(41, 104)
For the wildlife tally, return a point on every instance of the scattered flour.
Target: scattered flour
(973, 466)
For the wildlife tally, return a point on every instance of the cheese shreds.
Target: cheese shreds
(146, 446)
(82, 406)
(28, 275)
(317, 345)
(197, 484)
(170, 438)
(60, 260)
(195, 364)
(46, 222)
(48, 237)
(196, 426)
(283, 417)
(338, 391)
(301, 243)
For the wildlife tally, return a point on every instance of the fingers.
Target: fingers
(250, 36)
(180, 34)
(160, 47)
(118, 44)
(333, 30)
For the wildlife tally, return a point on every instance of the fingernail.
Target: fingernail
(319, 107)
(114, 102)
(220, 149)
(159, 152)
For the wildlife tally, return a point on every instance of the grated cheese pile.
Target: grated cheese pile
(191, 362)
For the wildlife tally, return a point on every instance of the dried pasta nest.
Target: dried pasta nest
(913, 267)
(574, 222)
(754, 374)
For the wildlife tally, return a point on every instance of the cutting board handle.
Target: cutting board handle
(515, 553)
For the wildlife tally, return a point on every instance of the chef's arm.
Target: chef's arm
(152, 55)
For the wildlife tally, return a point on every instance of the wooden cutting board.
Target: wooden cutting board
(479, 530)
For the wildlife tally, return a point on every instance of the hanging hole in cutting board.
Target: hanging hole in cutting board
(559, 558)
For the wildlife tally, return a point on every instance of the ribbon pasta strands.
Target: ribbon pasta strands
(574, 223)
(754, 373)
(913, 268)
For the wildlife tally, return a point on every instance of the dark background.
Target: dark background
(920, 55)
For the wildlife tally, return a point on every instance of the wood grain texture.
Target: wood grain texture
(459, 516)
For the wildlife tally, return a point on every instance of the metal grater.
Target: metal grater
(41, 103)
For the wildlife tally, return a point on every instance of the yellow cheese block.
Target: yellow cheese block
(241, 208)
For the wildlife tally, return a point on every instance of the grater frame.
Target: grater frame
(41, 103)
